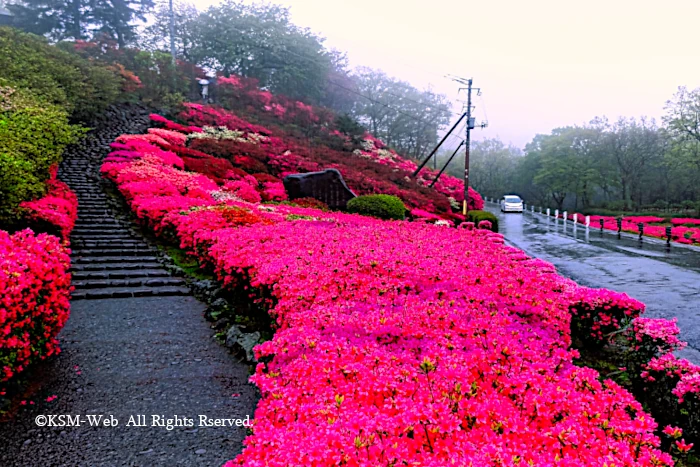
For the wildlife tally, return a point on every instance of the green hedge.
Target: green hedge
(381, 206)
(478, 216)
(82, 88)
(33, 134)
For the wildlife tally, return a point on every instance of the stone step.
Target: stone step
(78, 246)
(111, 259)
(96, 218)
(79, 226)
(82, 199)
(119, 274)
(119, 265)
(101, 234)
(90, 252)
(117, 292)
(149, 282)
(95, 213)
(96, 237)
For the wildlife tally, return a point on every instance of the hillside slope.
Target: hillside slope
(271, 136)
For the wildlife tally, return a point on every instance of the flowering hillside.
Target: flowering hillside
(297, 138)
(397, 343)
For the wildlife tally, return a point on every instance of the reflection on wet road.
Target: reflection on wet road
(666, 279)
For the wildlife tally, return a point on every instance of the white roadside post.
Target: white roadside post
(548, 211)
(556, 213)
(575, 218)
(588, 221)
(565, 216)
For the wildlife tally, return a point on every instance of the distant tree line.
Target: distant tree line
(627, 165)
(257, 41)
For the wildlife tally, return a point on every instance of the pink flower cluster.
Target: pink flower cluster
(283, 154)
(243, 93)
(448, 185)
(34, 293)
(205, 115)
(685, 220)
(57, 210)
(679, 232)
(398, 343)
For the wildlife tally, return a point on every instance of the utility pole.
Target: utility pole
(467, 140)
(172, 33)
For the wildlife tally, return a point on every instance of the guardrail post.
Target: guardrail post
(565, 216)
(532, 209)
(556, 213)
(588, 221)
(548, 212)
(575, 218)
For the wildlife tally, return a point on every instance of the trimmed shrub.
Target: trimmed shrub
(381, 206)
(35, 289)
(33, 135)
(477, 216)
(56, 76)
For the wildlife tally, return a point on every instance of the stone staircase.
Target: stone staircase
(109, 258)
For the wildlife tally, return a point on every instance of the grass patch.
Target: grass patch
(187, 263)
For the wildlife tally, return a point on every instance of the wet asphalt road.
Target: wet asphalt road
(666, 279)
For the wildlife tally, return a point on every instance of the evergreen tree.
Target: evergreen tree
(56, 19)
(116, 18)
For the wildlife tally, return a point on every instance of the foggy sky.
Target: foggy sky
(541, 64)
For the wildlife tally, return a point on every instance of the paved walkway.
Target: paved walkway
(136, 344)
(666, 279)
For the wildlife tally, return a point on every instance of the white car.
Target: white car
(511, 203)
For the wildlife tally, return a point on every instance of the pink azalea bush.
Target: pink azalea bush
(243, 93)
(679, 232)
(34, 279)
(58, 209)
(34, 293)
(403, 343)
(685, 220)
